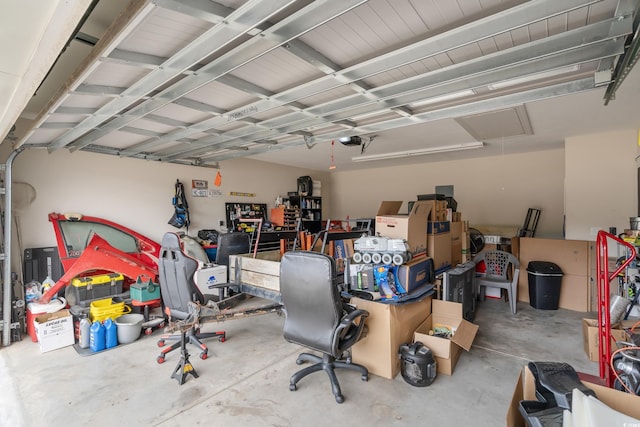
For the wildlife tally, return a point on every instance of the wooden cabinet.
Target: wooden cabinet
(285, 217)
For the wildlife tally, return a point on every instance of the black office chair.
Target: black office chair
(317, 318)
(178, 289)
(231, 244)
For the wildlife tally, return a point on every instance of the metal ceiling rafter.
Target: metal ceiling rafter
(501, 22)
(313, 15)
(206, 10)
(545, 63)
(138, 131)
(83, 111)
(136, 59)
(199, 106)
(326, 66)
(605, 69)
(584, 38)
(87, 89)
(127, 22)
(499, 102)
(234, 25)
(121, 28)
(237, 114)
(631, 55)
(474, 73)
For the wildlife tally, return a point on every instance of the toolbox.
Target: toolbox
(89, 288)
(144, 291)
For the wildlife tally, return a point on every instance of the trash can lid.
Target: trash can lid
(544, 267)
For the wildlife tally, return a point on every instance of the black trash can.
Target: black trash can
(545, 281)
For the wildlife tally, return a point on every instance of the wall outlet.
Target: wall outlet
(221, 223)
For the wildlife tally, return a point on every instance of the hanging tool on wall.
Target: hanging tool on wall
(180, 217)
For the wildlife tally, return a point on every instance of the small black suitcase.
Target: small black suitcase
(42, 262)
(305, 186)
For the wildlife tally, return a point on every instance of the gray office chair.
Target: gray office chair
(498, 274)
(177, 289)
(317, 318)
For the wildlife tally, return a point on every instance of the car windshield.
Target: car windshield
(77, 235)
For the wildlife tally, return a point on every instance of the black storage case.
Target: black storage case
(40, 263)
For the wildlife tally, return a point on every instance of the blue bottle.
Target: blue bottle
(111, 333)
(97, 334)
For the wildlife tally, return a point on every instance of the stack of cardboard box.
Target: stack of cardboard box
(439, 243)
(392, 325)
(447, 238)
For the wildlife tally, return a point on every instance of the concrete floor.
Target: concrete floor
(245, 380)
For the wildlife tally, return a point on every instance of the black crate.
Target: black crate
(40, 263)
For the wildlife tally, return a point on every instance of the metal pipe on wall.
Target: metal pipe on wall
(6, 279)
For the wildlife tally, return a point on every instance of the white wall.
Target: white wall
(601, 184)
(490, 190)
(134, 192)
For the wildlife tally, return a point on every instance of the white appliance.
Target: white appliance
(206, 277)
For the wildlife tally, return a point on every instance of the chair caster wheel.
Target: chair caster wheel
(148, 331)
(204, 356)
(161, 343)
(299, 362)
(160, 359)
(222, 339)
(293, 387)
(365, 378)
(339, 398)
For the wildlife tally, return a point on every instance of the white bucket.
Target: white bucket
(129, 327)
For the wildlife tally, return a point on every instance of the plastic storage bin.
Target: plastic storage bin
(545, 282)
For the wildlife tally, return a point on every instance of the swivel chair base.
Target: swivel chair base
(328, 364)
(193, 337)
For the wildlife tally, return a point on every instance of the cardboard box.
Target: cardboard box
(54, 330)
(415, 273)
(453, 216)
(456, 243)
(590, 337)
(412, 227)
(628, 404)
(389, 326)
(456, 254)
(446, 351)
(439, 248)
(438, 227)
(575, 259)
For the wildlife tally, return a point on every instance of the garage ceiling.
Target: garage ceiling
(198, 82)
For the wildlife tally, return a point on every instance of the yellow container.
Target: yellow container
(103, 309)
